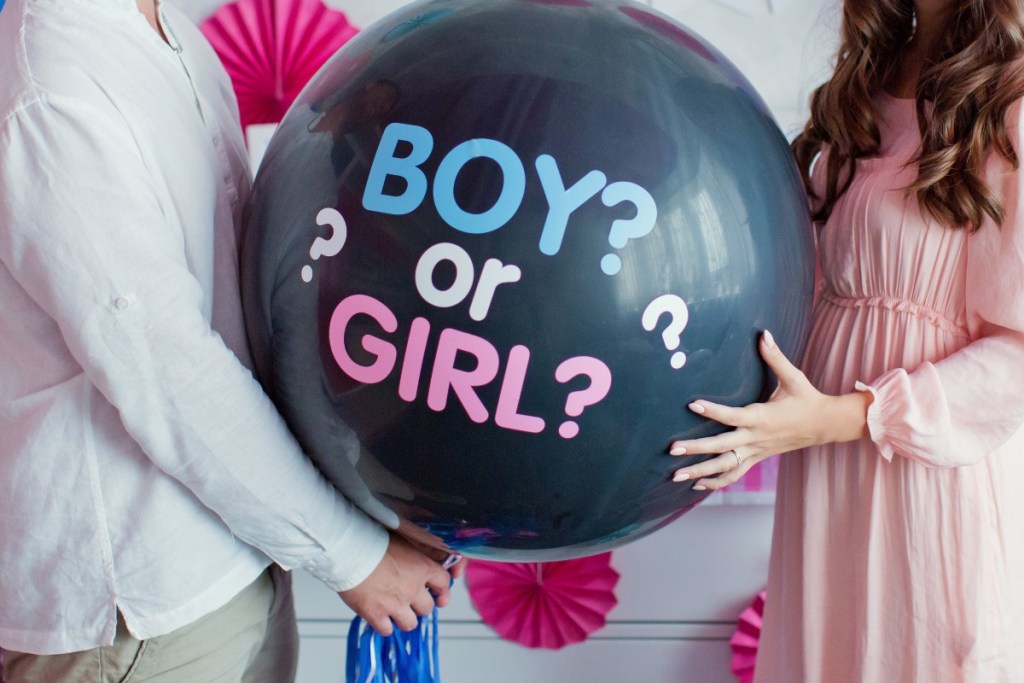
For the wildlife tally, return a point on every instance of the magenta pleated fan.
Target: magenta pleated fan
(271, 48)
(544, 604)
(745, 640)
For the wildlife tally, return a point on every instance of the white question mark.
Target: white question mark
(625, 229)
(327, 247)
(676, 308)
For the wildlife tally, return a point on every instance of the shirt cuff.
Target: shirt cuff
(354, 556)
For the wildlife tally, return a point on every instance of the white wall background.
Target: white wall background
(784, 47)
(681, 588)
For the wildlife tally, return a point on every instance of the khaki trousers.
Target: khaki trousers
(252, 639)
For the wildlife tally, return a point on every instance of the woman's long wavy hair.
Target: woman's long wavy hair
(970, 82)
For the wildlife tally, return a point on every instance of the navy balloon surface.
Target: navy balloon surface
(497, 246)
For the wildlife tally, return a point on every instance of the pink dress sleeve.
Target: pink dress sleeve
(958, 410)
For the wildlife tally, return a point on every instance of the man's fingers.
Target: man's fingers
(456, 565)
(439, 582)
(407, 583)
(439, 586)
(381, 625)
(443, 599)
(406, 619)
(423, 604)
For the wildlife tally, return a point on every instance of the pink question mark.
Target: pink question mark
(600, 382)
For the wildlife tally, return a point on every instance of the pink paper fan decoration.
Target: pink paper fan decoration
(745, 640)
(546, 604)
(760, 478)
(271, 48)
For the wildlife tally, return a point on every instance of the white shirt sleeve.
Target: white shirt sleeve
(90, 244)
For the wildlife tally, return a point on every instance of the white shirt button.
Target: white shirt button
(121, 303)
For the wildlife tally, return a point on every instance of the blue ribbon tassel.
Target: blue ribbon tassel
(402, 657)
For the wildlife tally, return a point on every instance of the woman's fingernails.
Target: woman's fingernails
(677, 450)
(700, 487)
(769, 340)
(697, 408)
(680, 476)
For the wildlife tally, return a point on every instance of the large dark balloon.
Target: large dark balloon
(497, 246)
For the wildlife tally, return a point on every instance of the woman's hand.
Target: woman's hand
(796, 416)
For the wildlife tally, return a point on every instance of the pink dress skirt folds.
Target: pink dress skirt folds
(899, 558)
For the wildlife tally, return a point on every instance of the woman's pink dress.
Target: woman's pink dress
(900, 558)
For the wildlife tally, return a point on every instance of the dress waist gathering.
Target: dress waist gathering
(936, 318)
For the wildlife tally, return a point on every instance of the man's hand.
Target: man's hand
(405, 584)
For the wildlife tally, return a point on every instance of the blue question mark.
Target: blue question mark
(625, 229)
